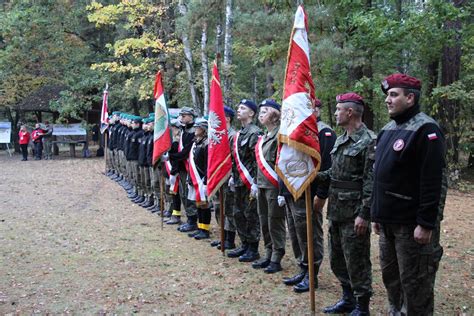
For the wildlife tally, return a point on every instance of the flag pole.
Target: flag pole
(222, 219)
(106, 136)
(309, 230)
(162, 202)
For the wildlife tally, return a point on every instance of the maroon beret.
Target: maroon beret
(350, 97)
(317, 103)
(400, 81)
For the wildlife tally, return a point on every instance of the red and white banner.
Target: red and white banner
(199, 193)
(104, 114)
(174, 179)
(162, 132)
(299, 153)
(245, 176)
(263, 165)
(219, 162)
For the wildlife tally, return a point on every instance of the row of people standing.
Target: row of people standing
(41, 138)
(397, 182)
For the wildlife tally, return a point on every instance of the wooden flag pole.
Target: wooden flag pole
(222, 219)
(309, 230)
(162, 202)
(106, 133)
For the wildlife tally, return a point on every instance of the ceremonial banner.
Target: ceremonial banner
(299, 153)
(104, 115)
(263, 165)
(219, 163)
(162, 133)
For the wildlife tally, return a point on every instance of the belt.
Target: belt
(351, 185)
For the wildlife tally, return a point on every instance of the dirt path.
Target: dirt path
(71, 242)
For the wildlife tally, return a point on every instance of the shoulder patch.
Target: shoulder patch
(432, 136)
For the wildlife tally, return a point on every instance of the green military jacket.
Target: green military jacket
(248, 138)
(269, 151)
(351, 175)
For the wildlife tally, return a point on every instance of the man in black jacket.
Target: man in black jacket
(408, 198)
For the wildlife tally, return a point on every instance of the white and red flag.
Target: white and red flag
(104, 114)
(162, 132)
(299, 153)
(219, 162)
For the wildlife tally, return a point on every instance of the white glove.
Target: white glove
(231, 184)
(281, 200)
(165, 157)
(254, 190)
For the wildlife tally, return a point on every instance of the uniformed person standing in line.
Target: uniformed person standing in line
(229, 224)
(244, 178)
(296, 213)
(133, 144)
(272, 215)
(143, 162)
(121, 136)
(409, 193)
(197, 179)
(114, 125)
(351, 182)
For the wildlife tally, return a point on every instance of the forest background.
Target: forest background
(354, 44)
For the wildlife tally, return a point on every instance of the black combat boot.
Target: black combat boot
(237, 252)
(303, 286)
(251, 254)
(175, 220)
(145, 201)
(345, 305)
(229, 242)
(273, 267)
(261, 264)
(215, 243)
(296, 278)
(190, 225)
(203, 234)
(149, 202)
(362, 306)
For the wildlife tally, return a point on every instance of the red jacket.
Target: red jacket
(24, 137)
(37, 135)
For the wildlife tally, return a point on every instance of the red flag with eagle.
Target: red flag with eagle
(162, 132)
(104, 114)
(299, 153)
(219, 163)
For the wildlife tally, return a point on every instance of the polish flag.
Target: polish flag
(104, 114)
(299, 154)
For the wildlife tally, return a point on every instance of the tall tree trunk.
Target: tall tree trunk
(205, 67)
(218, 42)
(450, 69)
(269, 88)
(433, 75)
(255, 85)
(188, 61)
(228, 53)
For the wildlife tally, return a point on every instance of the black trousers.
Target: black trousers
(38, 150)
(24, 150)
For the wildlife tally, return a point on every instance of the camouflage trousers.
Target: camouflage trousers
(409, 268)
(246, 216)
(229, 222)
(349, 255)
(145, 180)
(135, 176)
(122, 162)
(109, 159)
(272, 224)
(296, 218)
(48, 148)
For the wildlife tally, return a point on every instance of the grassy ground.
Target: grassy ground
(71, 242)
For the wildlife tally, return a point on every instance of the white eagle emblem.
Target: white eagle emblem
(215, 136)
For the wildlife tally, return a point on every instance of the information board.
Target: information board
(68, 130)
(5, 132)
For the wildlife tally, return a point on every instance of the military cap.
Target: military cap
(270, 103)
(175, 122)
(228, 111)
(398, 80)
(317, 103)
(187, 111)
(201, 122)
(250, 104)
(116, 113)
(136, 119)
(350, 97)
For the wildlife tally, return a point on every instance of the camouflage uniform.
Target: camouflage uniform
(409, 189)
(245, 208)
(350, 190)
(272, 216)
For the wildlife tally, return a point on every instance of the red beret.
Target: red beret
(317, 103)
(400, 81)
(350, 97)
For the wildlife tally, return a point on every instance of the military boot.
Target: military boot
(273, 267)
(203, 234)
(362, 306)
(237, 252)
(303, 286)
(229, 242)
(148, 203)
(145, 201)
(345, 305)
(175, 220)
(190, 225)
(297, 278)
(251, 254)
(261, 264)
